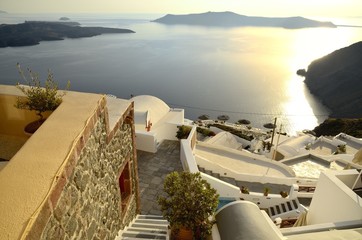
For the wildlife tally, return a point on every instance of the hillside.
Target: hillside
(31, 33)
(230, 19)
(336, 80)
(332, 127)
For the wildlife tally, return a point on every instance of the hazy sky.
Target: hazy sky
(327, 8)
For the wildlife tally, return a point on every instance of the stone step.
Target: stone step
(147, 230)
(283, 207)
(151, 221)
(130, 238)
(208, 172)
(150, 217)
(201, 169)
(143, 235)
(216, 175)
(147, 225)
(228, 180)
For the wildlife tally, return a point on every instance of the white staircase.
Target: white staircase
(145, 227)
(283, 208)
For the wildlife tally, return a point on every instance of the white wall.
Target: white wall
(186, 155)
(333, 201)
(166, 131)
(189, 164)
(203, 162)
(223, 189)
(146, 141)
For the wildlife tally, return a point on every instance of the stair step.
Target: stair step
(283, 207)
(156, 217)
(216, 175)
(208, 172)
(228, 180)
(131, 238)
(152, 221)
(240, 184)
(144, 235)
(147, 230)
(145, 225)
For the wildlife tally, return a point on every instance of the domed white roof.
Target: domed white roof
(155, 107)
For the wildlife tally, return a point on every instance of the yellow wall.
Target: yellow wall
(12, 119)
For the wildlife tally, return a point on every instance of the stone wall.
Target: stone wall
(86, 202)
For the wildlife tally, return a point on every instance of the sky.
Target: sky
(276, 8)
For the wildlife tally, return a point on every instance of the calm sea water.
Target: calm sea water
(246, 73)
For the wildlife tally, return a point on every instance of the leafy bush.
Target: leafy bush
(183, 132)
(233, 131)
(38, 98)
(189, 202)
(206, 132)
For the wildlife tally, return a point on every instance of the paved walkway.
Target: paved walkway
(153, 168)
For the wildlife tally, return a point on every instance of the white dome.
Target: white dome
(155, 107)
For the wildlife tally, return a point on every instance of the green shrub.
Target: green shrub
(183, 131)
(189, 202)
(206, 132)
(233, 131)
(39, 99)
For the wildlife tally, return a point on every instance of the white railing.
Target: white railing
(186, 155)
(189, 164)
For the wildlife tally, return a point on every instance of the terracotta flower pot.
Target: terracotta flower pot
(182, 234)
(33, 126)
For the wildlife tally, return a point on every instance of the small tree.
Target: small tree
(39, 99)
(189, 202)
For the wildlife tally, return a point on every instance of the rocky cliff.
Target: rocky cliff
(334, 126)
(336, 80)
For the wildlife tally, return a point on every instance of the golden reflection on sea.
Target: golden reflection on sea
(309, 45)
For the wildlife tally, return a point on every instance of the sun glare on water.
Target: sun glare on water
(309, 45)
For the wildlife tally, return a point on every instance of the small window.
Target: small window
(125, 185)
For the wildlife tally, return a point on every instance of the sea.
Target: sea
(243, 72)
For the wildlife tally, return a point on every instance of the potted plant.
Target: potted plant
(37, 98)
(244, 190)
(284, 194)
(266, 191)
(188, 205)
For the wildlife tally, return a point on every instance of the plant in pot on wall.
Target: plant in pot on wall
(266, 191)
(37, 98)
(188, 205)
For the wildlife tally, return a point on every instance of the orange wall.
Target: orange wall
(12, 119)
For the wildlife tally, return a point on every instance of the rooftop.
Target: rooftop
(31, 174)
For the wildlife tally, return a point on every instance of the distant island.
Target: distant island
(2, 12)
(64, 19)
(336, 80)
(230, 19)
(32, 32)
